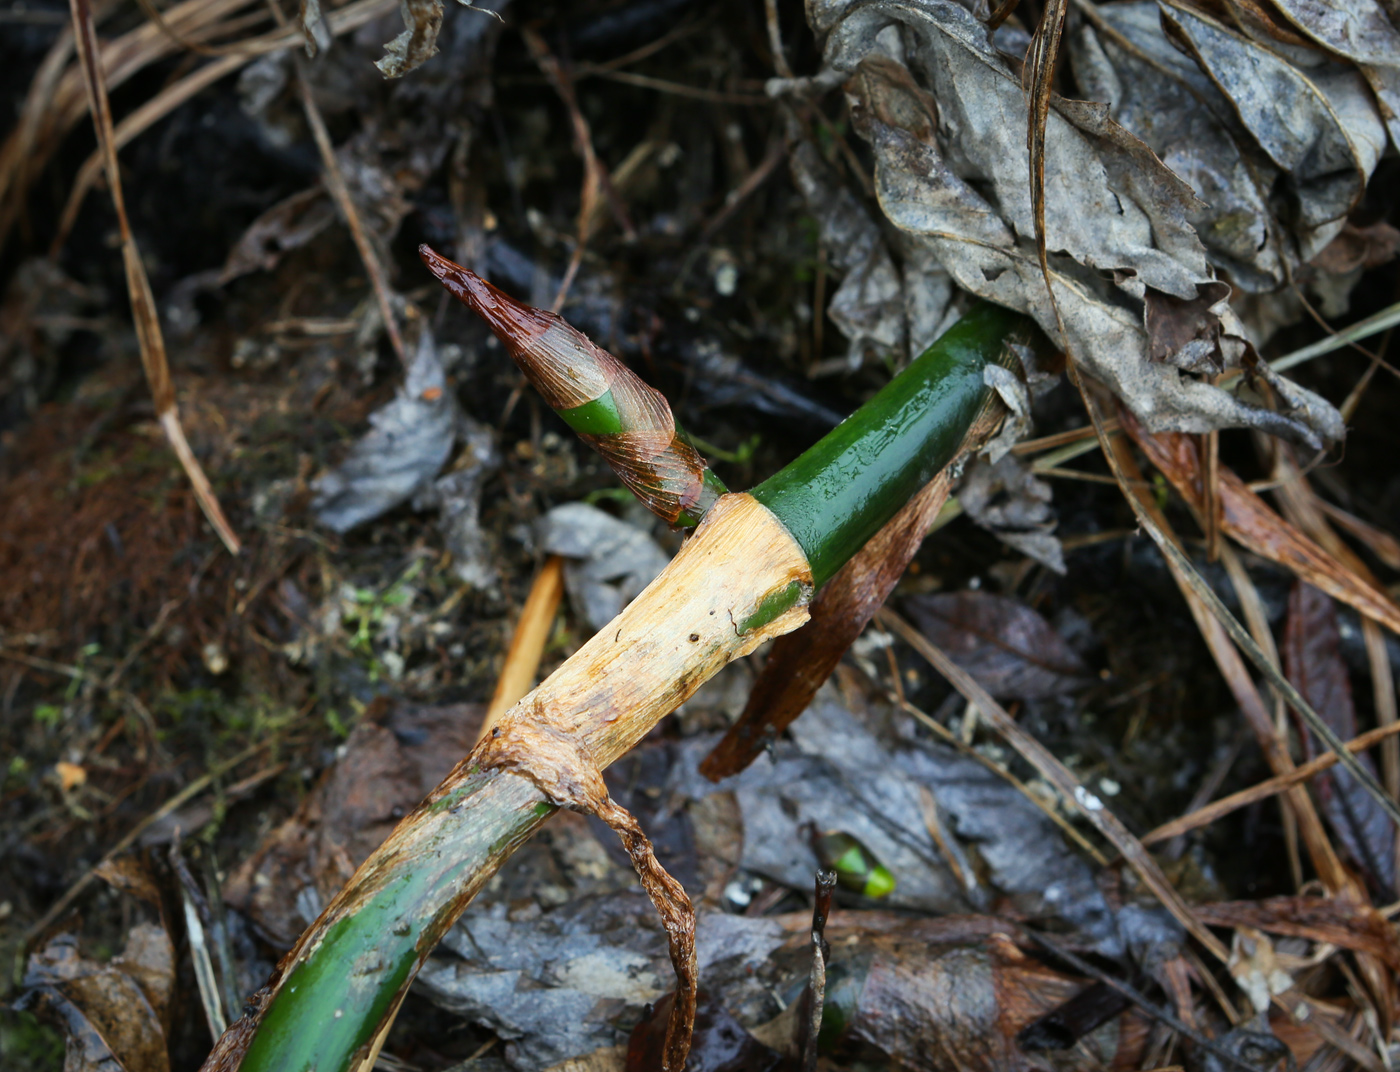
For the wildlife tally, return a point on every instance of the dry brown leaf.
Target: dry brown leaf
(1319, 919)
(111, 1014)
(1010, 649)
(1248, 519)
(1313, 661)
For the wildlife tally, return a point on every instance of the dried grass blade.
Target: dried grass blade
(1372, 325)
(1039, 77)
(152, 111)
(143, 304)
(1301, 819)
(1001, 12)
(54, 106)
(1237, 632)
(1381, 543)
(1058, 775)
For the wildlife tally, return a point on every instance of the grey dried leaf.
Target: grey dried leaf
(1008, 500)
(1360, 31)
(838, 775)
(1119, 223)
(409, 441)
(313, 25)
(553, 984)
(610, 561)
(1017, 400)
(1162, 97)
(418, 43)
(1319, 125)
(457, 495)
(868, 306)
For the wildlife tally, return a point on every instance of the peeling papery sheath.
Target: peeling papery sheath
(626, 421)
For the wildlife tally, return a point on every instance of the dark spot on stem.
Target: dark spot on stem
(694, 637)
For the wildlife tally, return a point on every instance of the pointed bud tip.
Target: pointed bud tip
(462, 283)
(436, 262)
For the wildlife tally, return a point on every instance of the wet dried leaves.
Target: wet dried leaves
(1131, 291)
(1247, 518)
(1010, 649)
(114, 1014)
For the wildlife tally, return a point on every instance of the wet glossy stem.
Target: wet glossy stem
(352, 967)
(842, 491)
(327, 1010)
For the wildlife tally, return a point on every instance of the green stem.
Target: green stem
(842, 491)
(331, 1003)
(353, 965)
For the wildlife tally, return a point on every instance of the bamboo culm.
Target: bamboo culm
(744, 577)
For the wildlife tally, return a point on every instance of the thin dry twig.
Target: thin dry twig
(143, 302)
(1380, 543)
(810, 1022)
(1038, 80)
(596, 181)
(775, 39)
(677, 89)
(340, 194)
(1051, 813)
(1218, 809)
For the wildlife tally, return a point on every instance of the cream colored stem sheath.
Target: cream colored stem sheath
(740, 580)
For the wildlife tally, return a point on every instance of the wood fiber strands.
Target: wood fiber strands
(740, 580)
(625, 420)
